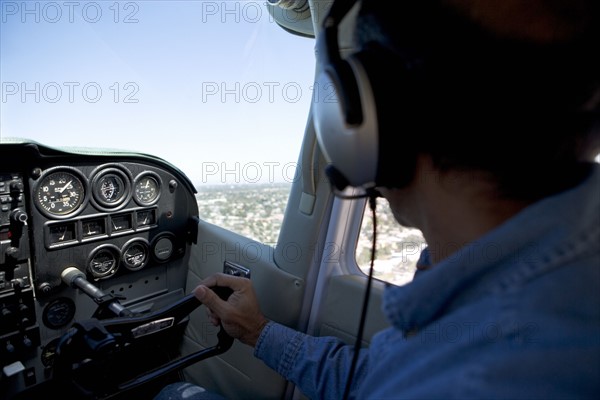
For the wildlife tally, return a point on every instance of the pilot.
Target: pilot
(487, 115)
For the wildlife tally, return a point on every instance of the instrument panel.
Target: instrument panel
(127, 221)
(114, 217)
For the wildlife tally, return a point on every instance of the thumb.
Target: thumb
(208, 298)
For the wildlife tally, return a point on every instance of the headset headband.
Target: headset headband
(328, 47)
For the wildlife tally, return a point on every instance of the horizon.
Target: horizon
(194, 81)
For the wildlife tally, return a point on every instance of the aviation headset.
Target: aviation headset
(356, 130)
(381, 97)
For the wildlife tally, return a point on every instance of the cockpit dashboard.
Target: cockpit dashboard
(124, 221)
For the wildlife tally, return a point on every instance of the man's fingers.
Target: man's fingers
(212, 317)
(209, 298)
(221, 279)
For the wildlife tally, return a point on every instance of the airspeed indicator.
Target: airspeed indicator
(60, 194)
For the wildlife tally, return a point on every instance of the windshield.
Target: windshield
(217, 88)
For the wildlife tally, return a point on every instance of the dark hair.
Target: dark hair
(523, 110)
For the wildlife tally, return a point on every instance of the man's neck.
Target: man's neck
(457, 207)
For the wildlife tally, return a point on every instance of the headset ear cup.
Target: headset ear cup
(382, 149)
(348, 94)
(351, 149)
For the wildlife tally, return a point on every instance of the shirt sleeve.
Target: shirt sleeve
(319, 366)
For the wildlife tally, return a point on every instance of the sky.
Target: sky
(215, 87)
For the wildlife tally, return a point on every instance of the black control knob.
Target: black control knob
(12, 253)
(6, 313)
(45, 288)
(16, 187)
(9, 347)
(18, 215)
(27, 342)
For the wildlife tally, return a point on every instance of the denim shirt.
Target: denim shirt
(515, 314)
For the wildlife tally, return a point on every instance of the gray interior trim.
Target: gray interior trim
(340, 315)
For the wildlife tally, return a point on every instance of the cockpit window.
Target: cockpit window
(397, 249)
(217, 88)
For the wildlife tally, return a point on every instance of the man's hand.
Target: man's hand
(240, 315)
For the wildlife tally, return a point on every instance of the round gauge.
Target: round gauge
(135, 254)
(110, 187)
(49, 353)
(58, 313)
(147, 189)
(60, 193)
(104, 261)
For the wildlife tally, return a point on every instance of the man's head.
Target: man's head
(539, 21)
(507, 87)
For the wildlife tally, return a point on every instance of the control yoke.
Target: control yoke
(96, 337)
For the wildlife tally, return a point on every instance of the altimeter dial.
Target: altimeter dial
(60, 193)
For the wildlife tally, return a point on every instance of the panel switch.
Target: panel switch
(13, 369)
(234, 269)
